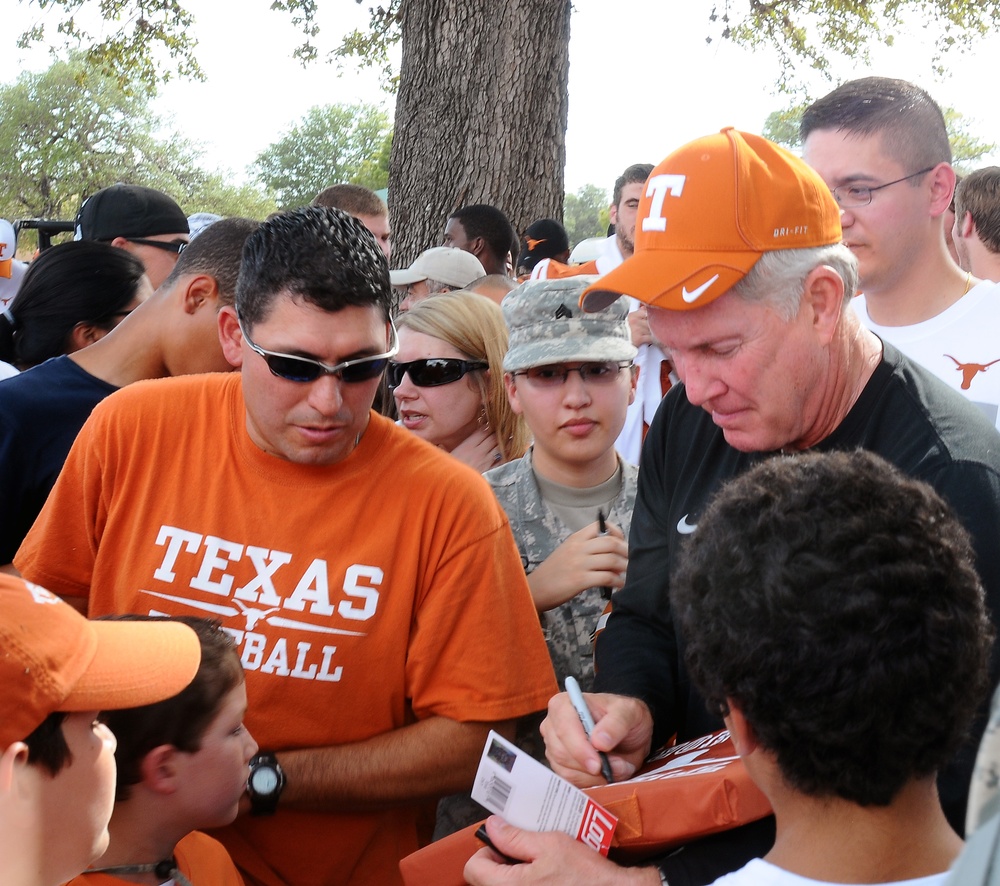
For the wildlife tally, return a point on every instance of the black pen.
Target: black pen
(485, 837)
(602, 529)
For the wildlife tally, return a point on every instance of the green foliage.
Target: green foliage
(212, 192)
(331, 144)
(303, 14)
(812, 31)
(966, 148)
(782, 127)
(805, 32)
(585, 213)
(72, 129)
(370, 48)
(141, 30)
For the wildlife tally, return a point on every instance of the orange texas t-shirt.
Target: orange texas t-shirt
(362, 595)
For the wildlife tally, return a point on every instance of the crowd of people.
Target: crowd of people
(331, 521)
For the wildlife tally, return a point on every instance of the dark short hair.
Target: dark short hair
(217, 252)
(180, 721)
(979, 195)
(833, 600)
(322, 255)
(909, 121)
(78, 282)
(488, 222)
(47, 745)
(355, 199)
(637, 172)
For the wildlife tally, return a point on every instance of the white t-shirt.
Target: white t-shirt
(762, 873)
(961, 345)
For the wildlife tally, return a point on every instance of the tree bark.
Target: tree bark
(481, 115)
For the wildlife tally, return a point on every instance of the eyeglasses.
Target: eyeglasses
(305, 369)
(432, 372)
(590, 373)
(176, 246)
(852, 196)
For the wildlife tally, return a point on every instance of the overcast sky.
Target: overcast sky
(642, 80)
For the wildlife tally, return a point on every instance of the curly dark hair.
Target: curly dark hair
(322, 255)
(834, 602)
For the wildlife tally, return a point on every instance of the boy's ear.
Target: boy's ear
(159, 769)
(966, 226)
(740, 731)
(16, 753)
(200, 290)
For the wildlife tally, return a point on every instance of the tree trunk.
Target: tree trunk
(481, 115)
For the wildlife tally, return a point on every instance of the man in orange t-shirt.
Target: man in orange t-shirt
(370, 580)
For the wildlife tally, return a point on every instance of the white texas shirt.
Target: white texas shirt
(961, 345)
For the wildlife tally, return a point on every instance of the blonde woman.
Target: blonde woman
(447, 379)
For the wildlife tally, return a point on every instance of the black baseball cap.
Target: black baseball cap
(129, 211)
(544, 238)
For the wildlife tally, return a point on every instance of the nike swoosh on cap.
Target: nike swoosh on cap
(695, 294)
(685, 528)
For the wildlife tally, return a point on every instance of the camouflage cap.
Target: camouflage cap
(547, 325)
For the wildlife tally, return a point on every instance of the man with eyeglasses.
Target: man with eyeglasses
(143, 221)
(370, 582)
(881, 145)
(751, 299)
(569, 498)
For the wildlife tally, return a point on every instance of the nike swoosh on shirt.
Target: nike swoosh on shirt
(694, 294)
(685, 528)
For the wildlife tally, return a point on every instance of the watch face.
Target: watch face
(264, 781)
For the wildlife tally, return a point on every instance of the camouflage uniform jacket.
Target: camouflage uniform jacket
(984, 792)
(538, 532)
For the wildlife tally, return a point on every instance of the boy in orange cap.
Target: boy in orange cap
(183, 764)
(57, 772)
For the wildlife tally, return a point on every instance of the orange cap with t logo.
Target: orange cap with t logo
(53, 659)
(708, 212)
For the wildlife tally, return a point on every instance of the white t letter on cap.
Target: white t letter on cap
(658, 187)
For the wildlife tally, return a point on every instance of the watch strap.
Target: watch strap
(265, 803)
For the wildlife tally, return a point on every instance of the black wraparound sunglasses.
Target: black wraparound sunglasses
(304, 369)
(174, 246)
(432, 372)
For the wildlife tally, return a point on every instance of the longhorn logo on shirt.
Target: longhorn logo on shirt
(276, 594)
(970, 370)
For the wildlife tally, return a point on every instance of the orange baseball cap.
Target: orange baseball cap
(53, 659)
(708, 212)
